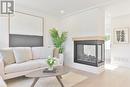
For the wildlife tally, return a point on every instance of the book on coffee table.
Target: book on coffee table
(46, 70)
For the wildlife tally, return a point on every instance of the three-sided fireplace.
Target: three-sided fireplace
(89, 52)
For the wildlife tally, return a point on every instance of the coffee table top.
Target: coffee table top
(61, 70)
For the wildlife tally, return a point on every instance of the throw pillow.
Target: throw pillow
(22, 54)
(8, 56)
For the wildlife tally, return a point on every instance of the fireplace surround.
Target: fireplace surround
(89, 51)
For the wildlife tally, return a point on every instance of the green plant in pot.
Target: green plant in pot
(58, 39)
(51, 61)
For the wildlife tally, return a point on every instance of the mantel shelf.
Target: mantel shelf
(88, 38)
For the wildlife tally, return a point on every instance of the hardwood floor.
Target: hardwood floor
(119, 77)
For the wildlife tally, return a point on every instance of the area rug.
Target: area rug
(69, 80)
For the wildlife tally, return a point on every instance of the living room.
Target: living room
(64, 43)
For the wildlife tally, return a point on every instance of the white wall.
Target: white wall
(88, 23)
(26, 24)
(122, 7)
(121, 52)
(4, 32)
(49, 22)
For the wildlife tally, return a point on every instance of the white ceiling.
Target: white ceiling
(120, 8)
(54, 6)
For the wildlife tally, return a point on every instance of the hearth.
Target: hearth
(89, 52)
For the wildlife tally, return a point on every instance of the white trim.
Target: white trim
(102, 5)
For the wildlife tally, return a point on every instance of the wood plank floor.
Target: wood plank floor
(119, 77)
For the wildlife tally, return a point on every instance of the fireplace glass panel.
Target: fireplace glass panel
(89, 50)
(86, 53)
(99, 53)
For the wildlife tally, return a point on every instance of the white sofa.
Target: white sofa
(2, 83)
(19, 61)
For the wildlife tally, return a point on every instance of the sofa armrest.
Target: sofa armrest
(1, 68)
(2, 82)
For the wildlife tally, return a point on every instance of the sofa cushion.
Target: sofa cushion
(22, 54)
(8, 56)
(42, 52)
(29, 65)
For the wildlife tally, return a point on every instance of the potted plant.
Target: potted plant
(58, 41)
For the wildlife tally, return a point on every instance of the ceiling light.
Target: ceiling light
(62, 12)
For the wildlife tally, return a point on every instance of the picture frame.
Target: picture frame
(121, 35)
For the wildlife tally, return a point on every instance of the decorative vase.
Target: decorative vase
(61, 57)
(56, 52)
(50, 68)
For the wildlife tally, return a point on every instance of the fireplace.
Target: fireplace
(89, 52)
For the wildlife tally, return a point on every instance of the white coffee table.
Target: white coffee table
(61, 70)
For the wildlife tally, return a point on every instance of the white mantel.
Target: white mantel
(88, 38)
